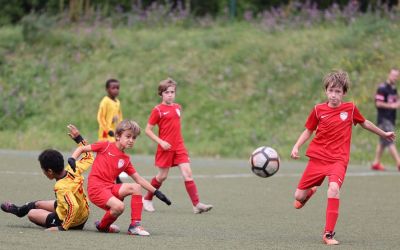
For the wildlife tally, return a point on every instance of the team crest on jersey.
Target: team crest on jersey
(343, 116)
(121, 163)
(178, 112)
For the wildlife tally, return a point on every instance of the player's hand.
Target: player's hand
(51, 229)
(162, 197)
(165, 145)
(295, 153)
(73, 131)
(390, 136)
(115, 119)
(111, 133)
(72, 163)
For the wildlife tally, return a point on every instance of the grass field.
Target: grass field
(249, 213)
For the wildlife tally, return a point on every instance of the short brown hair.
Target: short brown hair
(337, 78)
(165, 84)
(128, 125)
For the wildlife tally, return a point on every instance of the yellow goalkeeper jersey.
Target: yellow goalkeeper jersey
(108, 116)
(72, 205)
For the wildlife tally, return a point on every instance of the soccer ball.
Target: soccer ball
(264, 161)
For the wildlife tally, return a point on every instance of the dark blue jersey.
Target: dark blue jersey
(386, 93)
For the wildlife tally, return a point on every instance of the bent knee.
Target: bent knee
(118, 209)
(31, 214)
(135, 188)
(300, 195)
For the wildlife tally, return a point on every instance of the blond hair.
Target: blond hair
(337, 78)
(165, 84)
(128, 125)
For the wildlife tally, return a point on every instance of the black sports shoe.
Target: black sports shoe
(9, 207)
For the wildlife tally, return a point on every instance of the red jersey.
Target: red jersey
(108, 164)
(168, 119)
(333, 135)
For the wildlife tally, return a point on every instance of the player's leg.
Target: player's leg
(116, 208)
(395, 154)
(135, 190)
(157, 181)
(39, 217)
(109, 200)
(163, 161)
(376, 165)
(332, 213)
(191, 189)
(301, 196)
(23, 210)
(312, 177)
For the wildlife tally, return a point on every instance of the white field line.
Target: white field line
(226, 176)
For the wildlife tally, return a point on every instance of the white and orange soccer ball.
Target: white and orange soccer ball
(264, 161)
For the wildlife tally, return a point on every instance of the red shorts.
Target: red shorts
(100, 194)
(167, 159)
(317, 170)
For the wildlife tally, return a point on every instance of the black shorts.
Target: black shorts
(52, 220)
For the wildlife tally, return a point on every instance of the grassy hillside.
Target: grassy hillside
(240, 86)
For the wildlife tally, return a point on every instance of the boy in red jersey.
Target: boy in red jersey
(171, 150)
(329, 151)
(110, 161)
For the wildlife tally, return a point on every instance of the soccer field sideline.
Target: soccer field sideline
(227, 176)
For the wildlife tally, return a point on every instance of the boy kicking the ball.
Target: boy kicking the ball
(329, 151)
(70, 210)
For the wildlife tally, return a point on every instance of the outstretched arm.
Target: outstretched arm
(149, 132)
(79, 150)
(391, 136)
(302, 139)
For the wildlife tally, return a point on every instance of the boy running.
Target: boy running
(110, 161)
(70, 210)
(329, 151)
(171, 150)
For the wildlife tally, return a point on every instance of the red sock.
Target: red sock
(332, 213)
(192, 192)
(107, 220)
(155, 183)
(136, 209)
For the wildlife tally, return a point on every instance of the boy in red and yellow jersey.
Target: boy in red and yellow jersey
(70, 210)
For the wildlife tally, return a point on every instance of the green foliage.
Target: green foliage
(240, 87)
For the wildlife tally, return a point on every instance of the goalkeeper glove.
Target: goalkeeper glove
(162, 197)
(72, 163)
